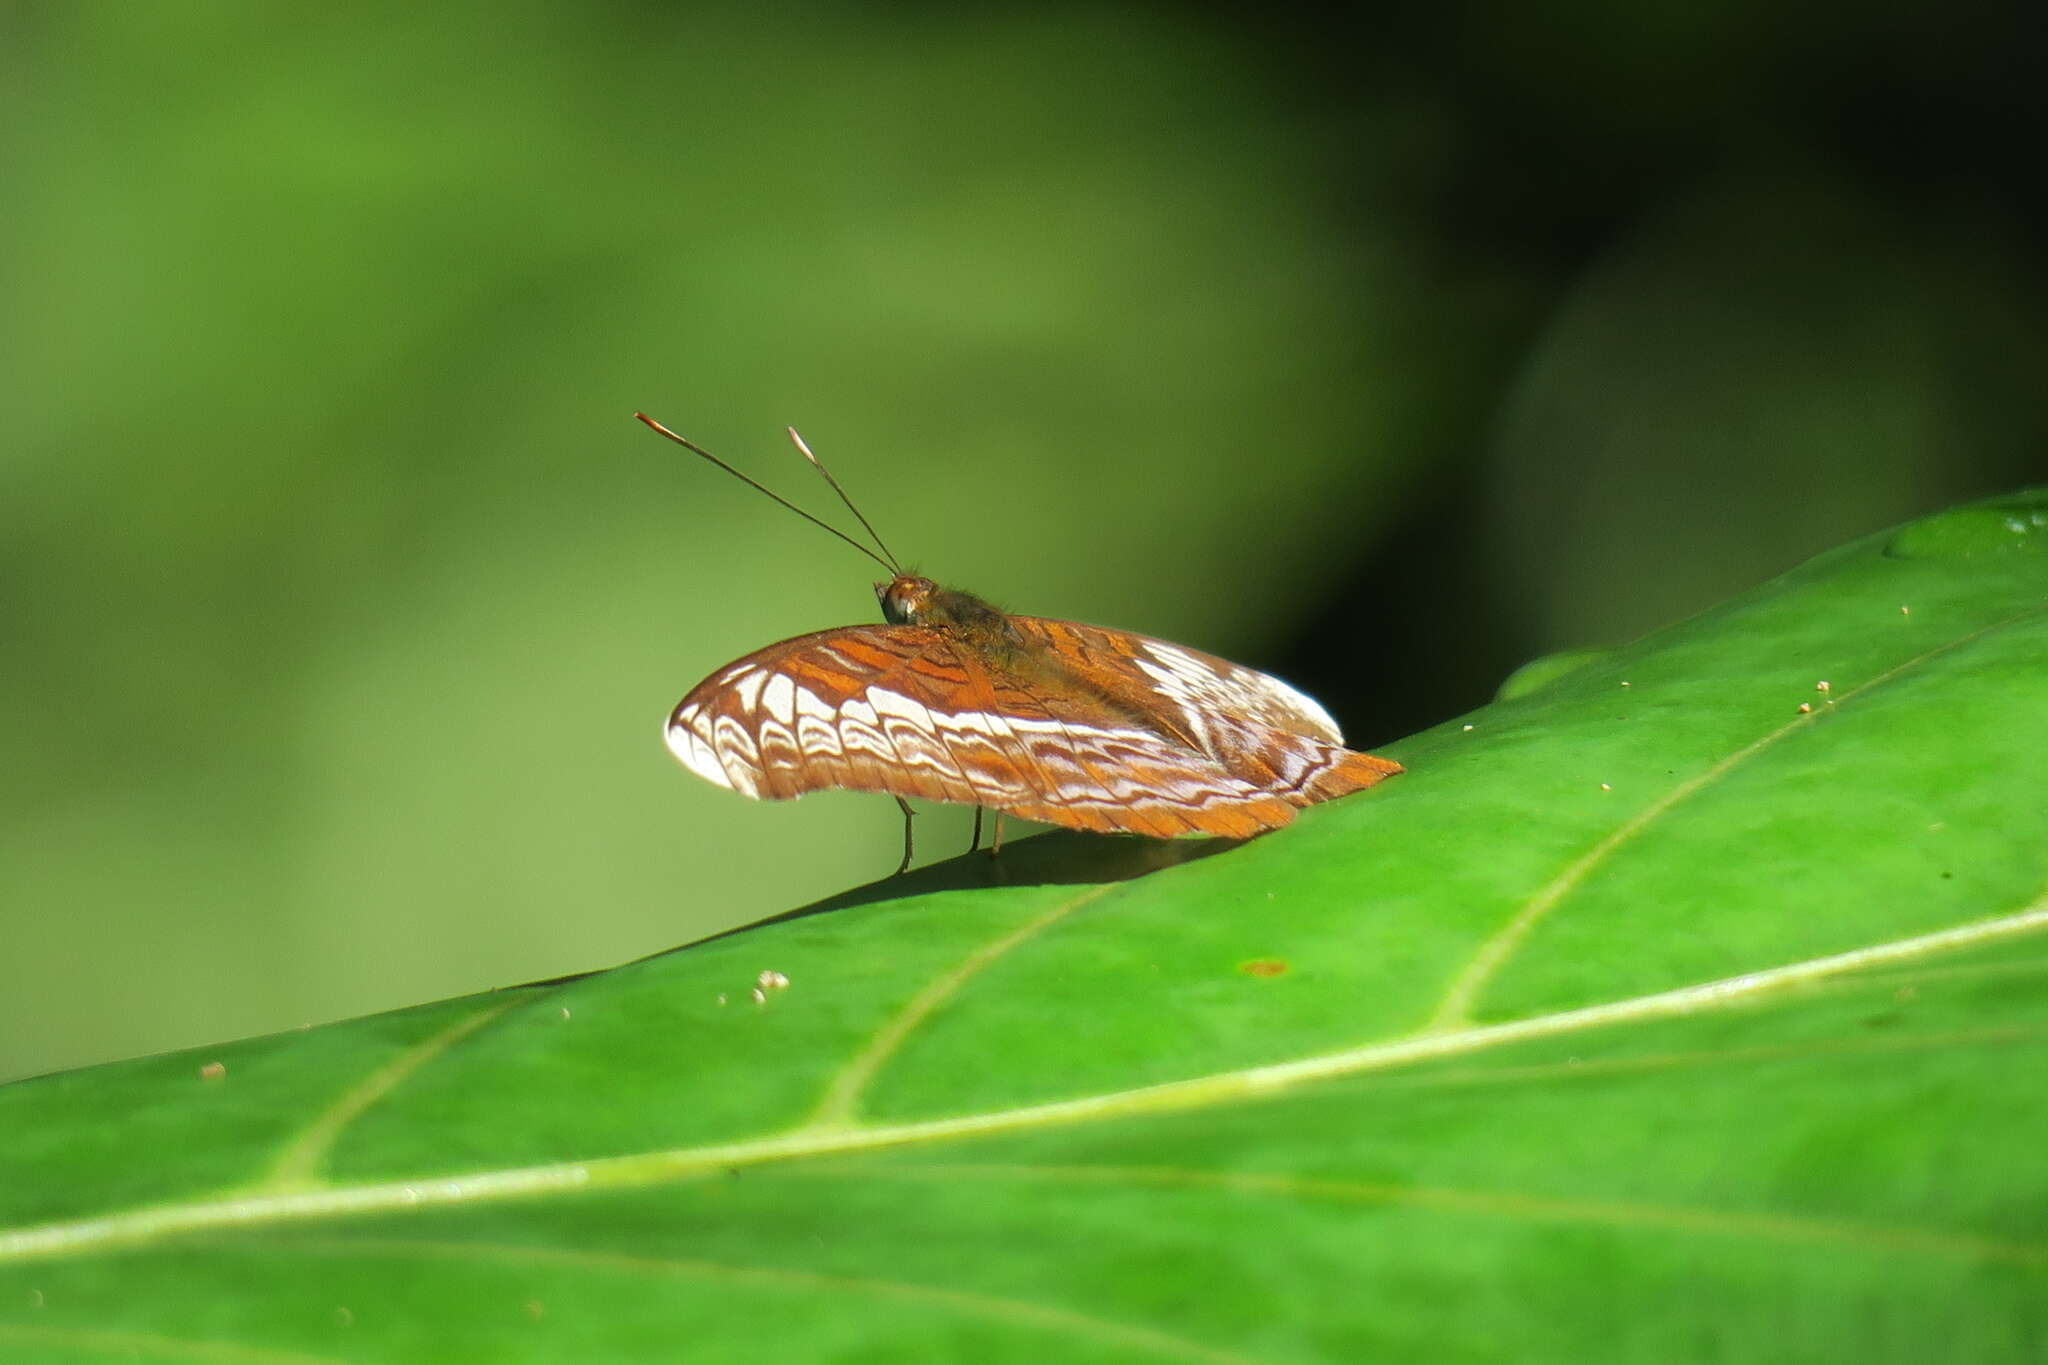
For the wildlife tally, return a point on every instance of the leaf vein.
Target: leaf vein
(1455, 1008)
(840, 1104)
(298, 1165)
(1013, 1312)
(131, 1345)
(1623, 1214)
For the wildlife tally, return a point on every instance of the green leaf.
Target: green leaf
(1680, 1009)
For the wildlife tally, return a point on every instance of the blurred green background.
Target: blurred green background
(342, 599)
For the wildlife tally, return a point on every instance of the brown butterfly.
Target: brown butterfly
(955, 700)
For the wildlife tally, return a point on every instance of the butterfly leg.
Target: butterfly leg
(908, 816)
(975, 843)
(996, 847)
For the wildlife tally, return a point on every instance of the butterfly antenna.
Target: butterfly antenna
(690, 445)
(819, 465)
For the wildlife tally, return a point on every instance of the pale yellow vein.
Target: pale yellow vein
(1010, 1312)
(839, 1107)
(1650, 1063)
(1455, 1009)
(155, 1346)
(1966, 971)
(298, 1165)
(1622, 1214)
(677, 1164)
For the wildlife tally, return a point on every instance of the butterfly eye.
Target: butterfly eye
(895, 608)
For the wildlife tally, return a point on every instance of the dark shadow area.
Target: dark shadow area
(1055, 858)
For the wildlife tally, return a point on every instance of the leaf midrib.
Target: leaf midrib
(1248, 1083)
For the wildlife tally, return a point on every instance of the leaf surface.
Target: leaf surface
(1678, 1007)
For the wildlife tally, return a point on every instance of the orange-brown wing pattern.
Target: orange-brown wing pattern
(901, 710)
(1251, 724)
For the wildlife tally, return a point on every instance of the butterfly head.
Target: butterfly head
(905, 599)
(908, 600)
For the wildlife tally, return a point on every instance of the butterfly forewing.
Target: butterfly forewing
(900, 709)
(1149, 738)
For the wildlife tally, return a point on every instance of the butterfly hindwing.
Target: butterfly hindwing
(902, 710)
(1254, 725)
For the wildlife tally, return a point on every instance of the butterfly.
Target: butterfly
(954, 700)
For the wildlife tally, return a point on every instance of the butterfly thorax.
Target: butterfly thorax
(987, 634)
